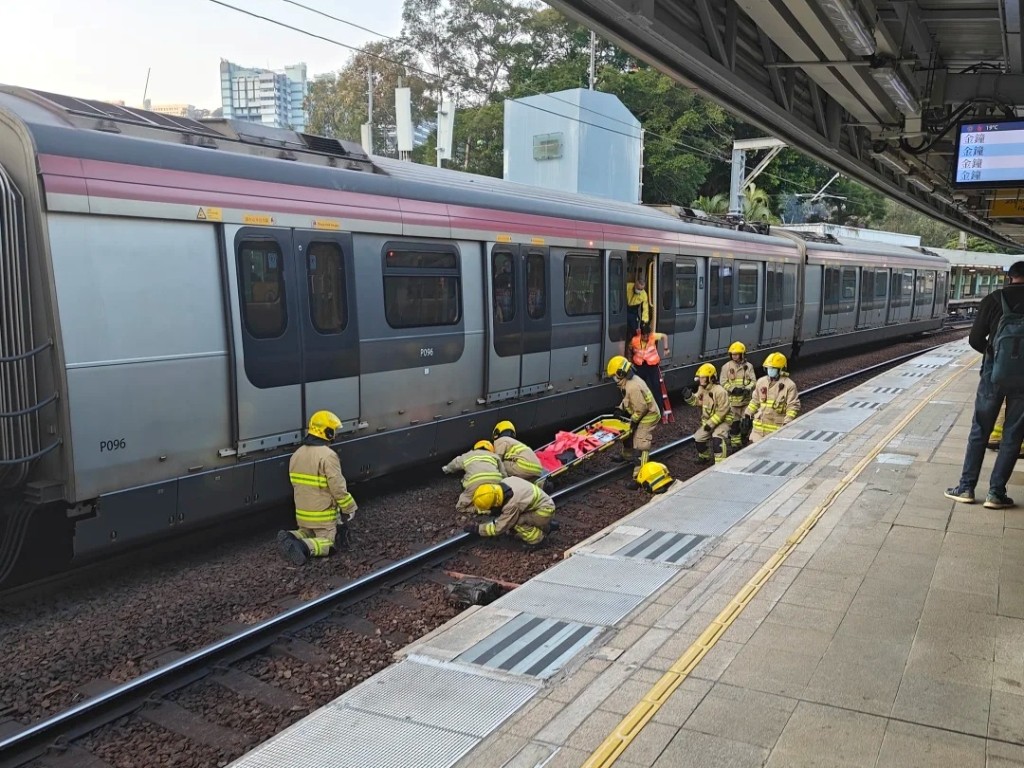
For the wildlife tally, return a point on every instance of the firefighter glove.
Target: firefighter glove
(621, 413)
(687, 393)
(446, 469)
(746, 424)
(737, 391)
(471, 528)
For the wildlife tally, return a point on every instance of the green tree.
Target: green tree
(337, 103)
(756, 204)
(974, 243)
(714, 205)
(899, 218)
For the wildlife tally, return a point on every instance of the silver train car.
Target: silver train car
(177, 297)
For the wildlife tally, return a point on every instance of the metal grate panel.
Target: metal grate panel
(778, 448)
(834, 418)
(773, 468)
(351, 738)
(662, 546)
(704, 517)
(530, 645)
(439, 696)
(604, 575)
(822, 435)
(558, 601)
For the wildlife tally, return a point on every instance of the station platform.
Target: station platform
(813, 600)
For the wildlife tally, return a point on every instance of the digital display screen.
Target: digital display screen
(989, 154)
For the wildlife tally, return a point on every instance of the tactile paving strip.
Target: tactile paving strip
(530, 645)
(863, 404)
(662, 546)
(773, 468)
(822, 435)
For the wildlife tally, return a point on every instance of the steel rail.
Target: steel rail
(60, 729)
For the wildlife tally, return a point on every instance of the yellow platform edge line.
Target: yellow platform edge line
(633, 723)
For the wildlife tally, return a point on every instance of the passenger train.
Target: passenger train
(178, 297)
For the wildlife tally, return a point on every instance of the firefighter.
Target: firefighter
(646, 360)
(654, 477)
(323, 505)
(480, 465)
(775, 401)
(517, 458)
(521, 508)
(639, 408)
(738, 378)
(713, 401)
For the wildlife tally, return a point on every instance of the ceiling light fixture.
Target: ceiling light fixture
(896, 89)
(850, 25)
(893, 162)
(920, 183)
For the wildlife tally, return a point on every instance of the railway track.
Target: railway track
(53, 739)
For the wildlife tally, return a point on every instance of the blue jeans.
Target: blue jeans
(986, 409)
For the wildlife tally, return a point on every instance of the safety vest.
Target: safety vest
(645, 354)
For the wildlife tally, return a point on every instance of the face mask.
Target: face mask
(773, 373)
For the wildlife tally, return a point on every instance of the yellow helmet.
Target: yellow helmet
(737, 348)
(503, 428)
(707, 370)
(324, 424)
(488, 496)
(486, 445)
(619, 367)
(775, 360)
(654, 477)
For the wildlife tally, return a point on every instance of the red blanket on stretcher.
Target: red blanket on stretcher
(579, 444)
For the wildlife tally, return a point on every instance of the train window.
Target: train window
(867, 289)
(665, 285)
(616, 287)
(582, 284)
(849, 283)
(789, 291)
(881, 281)
(261, 276)
(726, 285)
(769, 285)
(746, 285)
(686, 284)
(713, 281)
(421, 286)
(536, 286)
(908, 283)
(327, 307)
(504, 286)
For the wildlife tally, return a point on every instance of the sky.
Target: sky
(101, 49)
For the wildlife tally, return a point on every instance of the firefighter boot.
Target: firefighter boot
(703, 453)
(291, 549)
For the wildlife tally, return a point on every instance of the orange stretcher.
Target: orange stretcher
(569, 449)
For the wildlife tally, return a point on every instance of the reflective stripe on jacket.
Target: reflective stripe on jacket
(318, 485)
(774, 403)
(479, 465)
(518, 453)
(738, 376)
(638, 401)
(526, 499)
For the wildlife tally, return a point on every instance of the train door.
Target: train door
(772, 323)
(941, 294)
(519, 357)
(296, 339)
(328, 325)
(616, 328)
(830, 290)
(719, 305)
(268, 348)
(688, 307)
(746, 316)
(664, 298)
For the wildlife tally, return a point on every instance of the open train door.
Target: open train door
(519, 312)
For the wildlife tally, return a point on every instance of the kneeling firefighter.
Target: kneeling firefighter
(715, 425)
(522, 509)
(517, 457)
(480, 465)
(323, 505)
(639, 408)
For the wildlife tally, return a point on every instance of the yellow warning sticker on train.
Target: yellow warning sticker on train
(504, 238)
(330, 224)
(260, 219)
(537, 240)
(210, 214)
